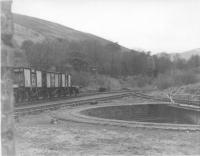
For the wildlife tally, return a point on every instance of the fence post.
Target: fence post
(7, 61)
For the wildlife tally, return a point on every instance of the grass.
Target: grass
(54, 30)
(36, 136)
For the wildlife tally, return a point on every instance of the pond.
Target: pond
(157, 113)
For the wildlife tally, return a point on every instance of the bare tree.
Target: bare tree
(170, 93)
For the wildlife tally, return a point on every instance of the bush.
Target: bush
(192, 89)
(108, 83)
(185, 77)
(138, 81)
(163, 81)
(89, 81)
(175, 78)
(81, 78)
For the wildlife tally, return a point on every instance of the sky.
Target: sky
(153, 25)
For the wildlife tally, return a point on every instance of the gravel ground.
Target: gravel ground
(36, 136)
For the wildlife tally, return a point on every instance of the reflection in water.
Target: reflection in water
(147, 113)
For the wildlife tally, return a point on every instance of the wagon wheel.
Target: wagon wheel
(16, 98)
(48, 95)
(21, 95)
(70, 92)
(31, 95)
(59, 92)
(37, 94)
(26, 96)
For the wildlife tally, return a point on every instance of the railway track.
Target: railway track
(52, 105)
(163, 99)
(92, 98)
(40, 101)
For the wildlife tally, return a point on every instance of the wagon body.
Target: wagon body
(33, 84)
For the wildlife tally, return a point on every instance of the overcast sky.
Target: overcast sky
(155, 25)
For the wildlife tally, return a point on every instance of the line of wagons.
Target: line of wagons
(31, 84)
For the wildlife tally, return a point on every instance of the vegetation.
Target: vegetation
(90, 57)
(85, 56)
(50, 46)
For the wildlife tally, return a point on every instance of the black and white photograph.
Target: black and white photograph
(100, 77)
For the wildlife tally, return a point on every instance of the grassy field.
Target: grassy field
(36, 136)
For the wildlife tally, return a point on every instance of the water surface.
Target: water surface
(158, 113)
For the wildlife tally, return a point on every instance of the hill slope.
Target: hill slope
(189, 53)
(37, 30)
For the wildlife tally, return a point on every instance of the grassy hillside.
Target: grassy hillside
(48, 45)
(35, 29)
(51, 46)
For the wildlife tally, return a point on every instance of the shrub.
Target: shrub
(81, 78)
(89, 81)
(163, 81)
(175, 78)
(138, 81)
(185, 77)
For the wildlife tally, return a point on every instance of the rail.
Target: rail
(69, 102)
(163, 99)
(91, 99)
(35, 102)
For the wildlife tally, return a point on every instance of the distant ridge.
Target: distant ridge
(188, 54)
(185, 55)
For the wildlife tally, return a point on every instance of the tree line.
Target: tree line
(109, 59)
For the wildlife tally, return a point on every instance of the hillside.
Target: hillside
(37, 30)
(188, 54)
(51, 46)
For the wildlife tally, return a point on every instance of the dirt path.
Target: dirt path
(36, 136)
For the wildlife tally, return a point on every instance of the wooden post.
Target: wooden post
(7, 61)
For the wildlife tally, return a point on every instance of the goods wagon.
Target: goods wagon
(32, 84)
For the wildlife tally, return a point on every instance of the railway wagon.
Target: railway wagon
(32, 84)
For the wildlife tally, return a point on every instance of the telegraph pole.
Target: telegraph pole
(7, 62)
